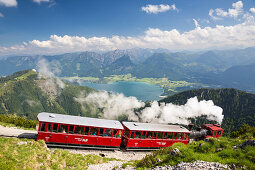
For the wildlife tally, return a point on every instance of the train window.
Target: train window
(108, 132)
(138, 134)
(180, 136)
(42, 128)
(160, 135)
(101, 131)
(149, 135)
(175, 135)
(143, 135)
(78, 130)
(93, 131)
(71, 127)
(214, 133)
(86, 131)
(154, 135)
(187, 136)
(120, 133)
(55, 128)
(170, 136)
(62, 128)
(115, 133)
(132, 134)
(219, 132)
(165, 135)
(126, 133)
(184, 136)
(49, 127)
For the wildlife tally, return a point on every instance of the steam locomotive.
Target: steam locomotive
(59, 130)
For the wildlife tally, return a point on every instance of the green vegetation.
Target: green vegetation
(26, 95)
(238, 106)
(29, 154)
(16, 121)
(245, 132)
(214, 150)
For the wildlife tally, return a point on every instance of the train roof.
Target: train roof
(77, 120)
(154, 127)
(213, 127)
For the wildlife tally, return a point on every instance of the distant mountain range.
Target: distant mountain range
(229, 68)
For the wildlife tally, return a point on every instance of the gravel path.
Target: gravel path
(105, 166)
(126, 156)
(15, 132)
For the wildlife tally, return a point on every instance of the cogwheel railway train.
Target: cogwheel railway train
(59, 130)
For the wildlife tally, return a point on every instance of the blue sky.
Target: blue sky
(27, 26)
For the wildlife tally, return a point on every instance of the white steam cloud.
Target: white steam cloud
(170, 113)
(48, 70)
(115, 105)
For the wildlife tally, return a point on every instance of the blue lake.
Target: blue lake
(142, 91)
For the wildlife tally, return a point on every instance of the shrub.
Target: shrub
(18, 121)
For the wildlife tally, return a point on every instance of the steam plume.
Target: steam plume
(114, 105)
(49, 70)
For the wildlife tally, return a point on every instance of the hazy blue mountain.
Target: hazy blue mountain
(122, 65)
(216, 68)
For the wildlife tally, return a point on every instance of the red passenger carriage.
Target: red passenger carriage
(152, 136)
(79, 132)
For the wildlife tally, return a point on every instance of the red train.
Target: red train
(59, 130)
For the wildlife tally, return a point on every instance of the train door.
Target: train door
(160, 139)
(54, 134)
(137, 139)
(169, 139)
(86, 138)
(41, 131)
(78, 137)
(116, 138)
(93, 136)
(154, 139)
(47, 133)
(143, 141)
(147, 139)
(175, 137)
(62, 133)
(70, 136)
(101, 140)
(108, 133)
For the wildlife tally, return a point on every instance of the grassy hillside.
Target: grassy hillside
(30, 154)
(26, 95)
(220, 150)
(238, 106)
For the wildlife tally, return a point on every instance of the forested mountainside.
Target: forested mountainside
(25, 94)
(238, 106)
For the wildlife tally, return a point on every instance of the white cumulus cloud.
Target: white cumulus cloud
(39, 1)
(234, 12)
(9, 3)
(154, 9)
(1, 15)
(241, 35)
(252, 10)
